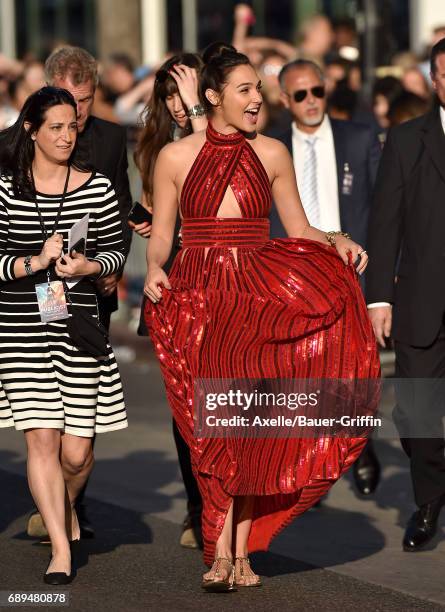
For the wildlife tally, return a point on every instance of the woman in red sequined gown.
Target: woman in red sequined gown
(238, 305)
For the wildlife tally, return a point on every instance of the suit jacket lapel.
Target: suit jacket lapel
(96, 144)
(86, 142)
(341, 159)
(434, 140)
(340, 156)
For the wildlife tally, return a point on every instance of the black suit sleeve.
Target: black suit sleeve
(374, 155)
(385, 225)
(122, 188)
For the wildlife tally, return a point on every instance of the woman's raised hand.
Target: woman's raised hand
(243, 13)
(187, 81)
(52, 250)
(155, 280)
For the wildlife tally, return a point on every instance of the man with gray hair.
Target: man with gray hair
(104, 144)
(105, 147)
(335, 161)
(335, 165)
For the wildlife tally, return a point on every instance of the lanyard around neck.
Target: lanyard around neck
(59, 212)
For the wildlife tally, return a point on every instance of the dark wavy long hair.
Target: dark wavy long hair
(17, 148)
(156, 132)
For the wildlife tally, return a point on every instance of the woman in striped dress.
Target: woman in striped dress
(59, 395)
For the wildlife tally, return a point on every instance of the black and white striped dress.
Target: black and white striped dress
(44, 380)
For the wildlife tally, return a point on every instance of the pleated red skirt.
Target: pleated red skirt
(242, 306)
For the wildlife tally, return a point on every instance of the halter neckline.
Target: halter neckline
(216, 138)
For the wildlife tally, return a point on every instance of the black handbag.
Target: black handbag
(86, 332)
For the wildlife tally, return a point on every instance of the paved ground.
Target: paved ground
(344, 556)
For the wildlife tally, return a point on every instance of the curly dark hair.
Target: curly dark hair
(17, 148)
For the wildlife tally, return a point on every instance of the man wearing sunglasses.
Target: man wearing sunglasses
(335, 161)
(335, 165)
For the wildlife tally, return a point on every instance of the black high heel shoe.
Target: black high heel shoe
(74, 546)
(57, 578)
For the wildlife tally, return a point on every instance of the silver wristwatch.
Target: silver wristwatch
(196, 111)
(27, 262)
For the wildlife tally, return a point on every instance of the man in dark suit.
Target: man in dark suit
(104, 145)
(406, 237)
(335, 164)
(346, 154)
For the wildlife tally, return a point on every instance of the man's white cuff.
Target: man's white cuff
(378, 304)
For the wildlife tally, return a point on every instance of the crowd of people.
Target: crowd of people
(124, 89)
(249, 141)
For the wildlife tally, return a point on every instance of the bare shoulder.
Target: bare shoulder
(175, 154)
(270, 147)
(272, 153)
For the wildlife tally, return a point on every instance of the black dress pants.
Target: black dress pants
(419, 413)
(191, 486)
(105, 318)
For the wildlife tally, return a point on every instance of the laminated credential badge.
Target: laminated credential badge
(52, 301)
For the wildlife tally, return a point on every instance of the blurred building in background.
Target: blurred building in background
(146, 29)
(374, 53)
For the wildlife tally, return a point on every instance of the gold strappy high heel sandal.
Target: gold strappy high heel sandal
(223, 585)
(241, 583)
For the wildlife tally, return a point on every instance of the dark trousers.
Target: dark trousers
(191, 486)
(419, 412)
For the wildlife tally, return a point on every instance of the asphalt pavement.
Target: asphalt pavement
(344, 556)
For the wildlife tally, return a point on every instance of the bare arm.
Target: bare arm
(139, 92)
(259, 43)
(244, 17)
(11, 67)
(291, 212)
(165, 208)
(287, 199)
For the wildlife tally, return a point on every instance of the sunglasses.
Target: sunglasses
(300, 95)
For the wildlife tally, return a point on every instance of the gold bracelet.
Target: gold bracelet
(330, 237)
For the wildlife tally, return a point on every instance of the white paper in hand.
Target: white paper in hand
(77, 239)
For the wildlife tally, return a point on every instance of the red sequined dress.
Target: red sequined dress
(244, 306)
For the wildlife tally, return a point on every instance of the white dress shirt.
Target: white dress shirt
(327, 181)
(442, 121)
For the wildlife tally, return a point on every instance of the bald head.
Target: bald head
(303, 94)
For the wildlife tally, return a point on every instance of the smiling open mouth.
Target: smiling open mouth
(252, 115)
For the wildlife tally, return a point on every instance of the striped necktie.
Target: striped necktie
(309, 192)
